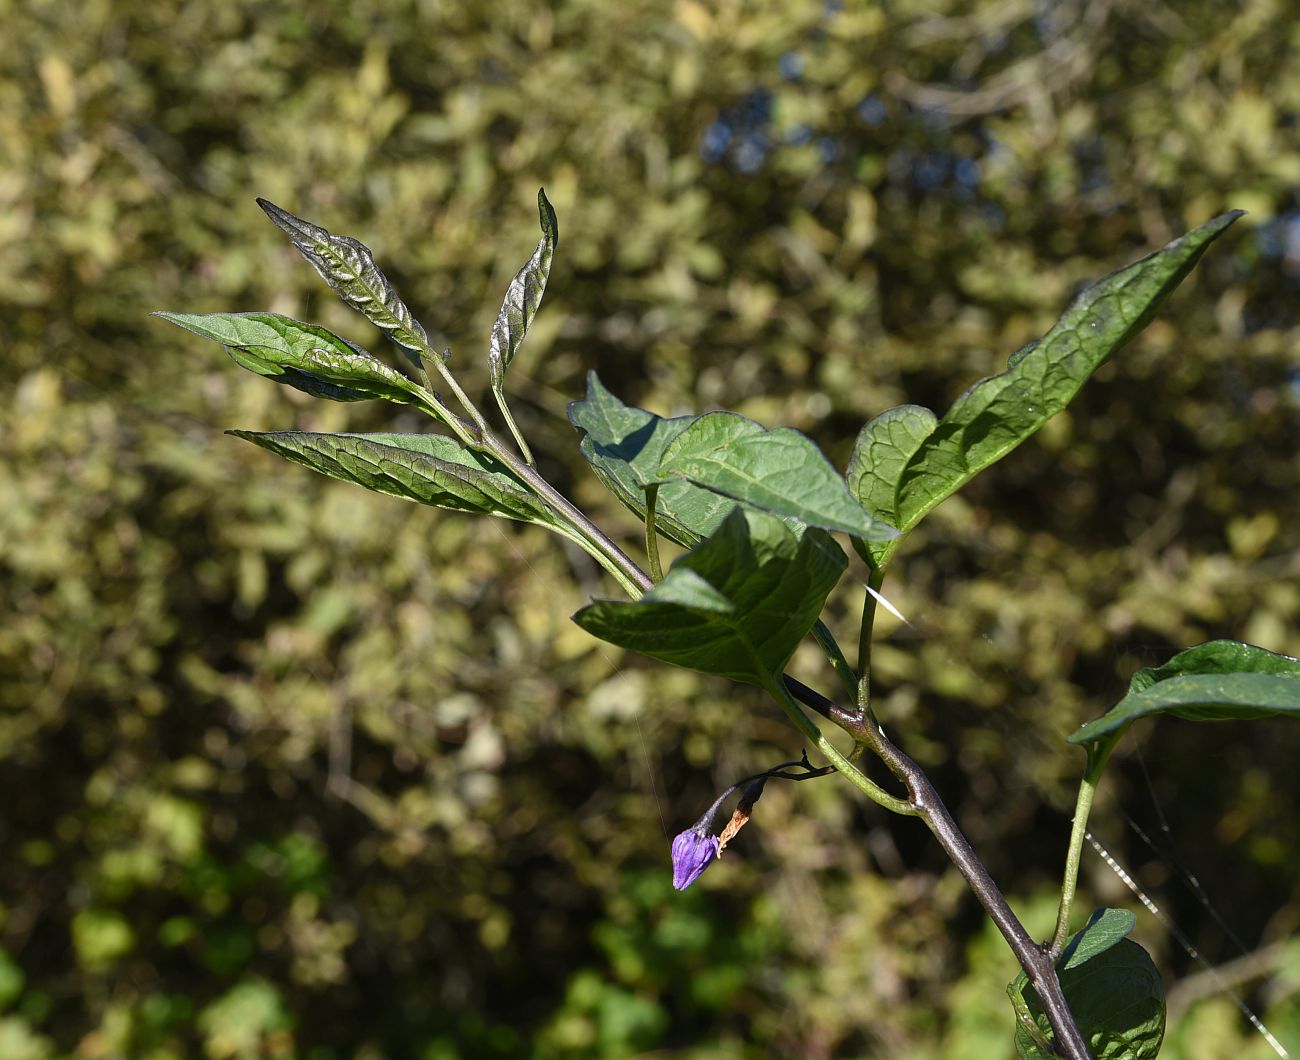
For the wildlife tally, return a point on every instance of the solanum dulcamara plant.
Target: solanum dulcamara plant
(763, 517)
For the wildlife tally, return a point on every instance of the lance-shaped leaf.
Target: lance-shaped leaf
(780, 471)
(997, 414)
(1216, 681)
(428, 468)
(523, 297)
(737, 605)
(350, 269)
(301, 355)
(624, 445)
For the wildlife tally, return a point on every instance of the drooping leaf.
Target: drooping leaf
(737, 605)
(998, 413)
(301, 355)
(779, 471)
(349, 268)
(880, 456)
(428, 468)
(523, 297)
(1118, 1003)
(624, 444)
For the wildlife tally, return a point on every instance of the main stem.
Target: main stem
(924, 800)
(1037, 961)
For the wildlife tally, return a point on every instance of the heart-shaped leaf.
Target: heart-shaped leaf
(624, 445)
(737, 605)
(997, 414)
(428, 468)
(349, 268)
(779, 471)
(1215, 681)
(304, 356)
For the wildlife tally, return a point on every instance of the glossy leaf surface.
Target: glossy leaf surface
(737, 605)
(998, 413)
(779, 471)
(1216, 681)
(349, 268)
(624, 444)
(305, 356)
(523, 297)
(428, 468)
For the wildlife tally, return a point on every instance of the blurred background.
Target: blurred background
(292, 770)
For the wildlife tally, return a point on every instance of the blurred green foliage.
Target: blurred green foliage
(292, 770)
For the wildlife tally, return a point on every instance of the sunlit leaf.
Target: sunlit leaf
(780, 471)
(301, 355)
(428, 468)
(624, 444)
(523, 297)
(737, 605)
(1216, 681)
(880, 456)
(998, 413)
(350, 269)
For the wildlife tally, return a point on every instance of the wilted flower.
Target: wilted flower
(693, 849)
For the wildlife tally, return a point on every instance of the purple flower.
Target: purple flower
(692, 852)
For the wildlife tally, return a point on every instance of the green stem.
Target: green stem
(875, 581)
(1098, 753)
(651, 534)
(514, 428)
(777, 688)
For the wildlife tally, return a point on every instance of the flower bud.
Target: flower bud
(693, 850)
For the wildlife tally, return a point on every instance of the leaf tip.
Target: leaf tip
(550, 225)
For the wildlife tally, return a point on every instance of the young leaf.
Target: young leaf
(428, 468)
(1118, 1003)
(737, 605)
(779, 471)
(523, 297)
(350, 269)
(997, 414)
(624, 444)
(302, 355)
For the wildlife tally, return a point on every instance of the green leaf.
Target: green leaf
(779, 471)
(1216, 681)
(1104, 929)
(880, 456)
(1117, 1000)
(1217, 657)
(624, 444)
(304, 356)
(350, 269)
(737, 605)
(428, 468)
(997, 414)
(523, 297)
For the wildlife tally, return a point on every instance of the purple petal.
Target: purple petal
(692, 852)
